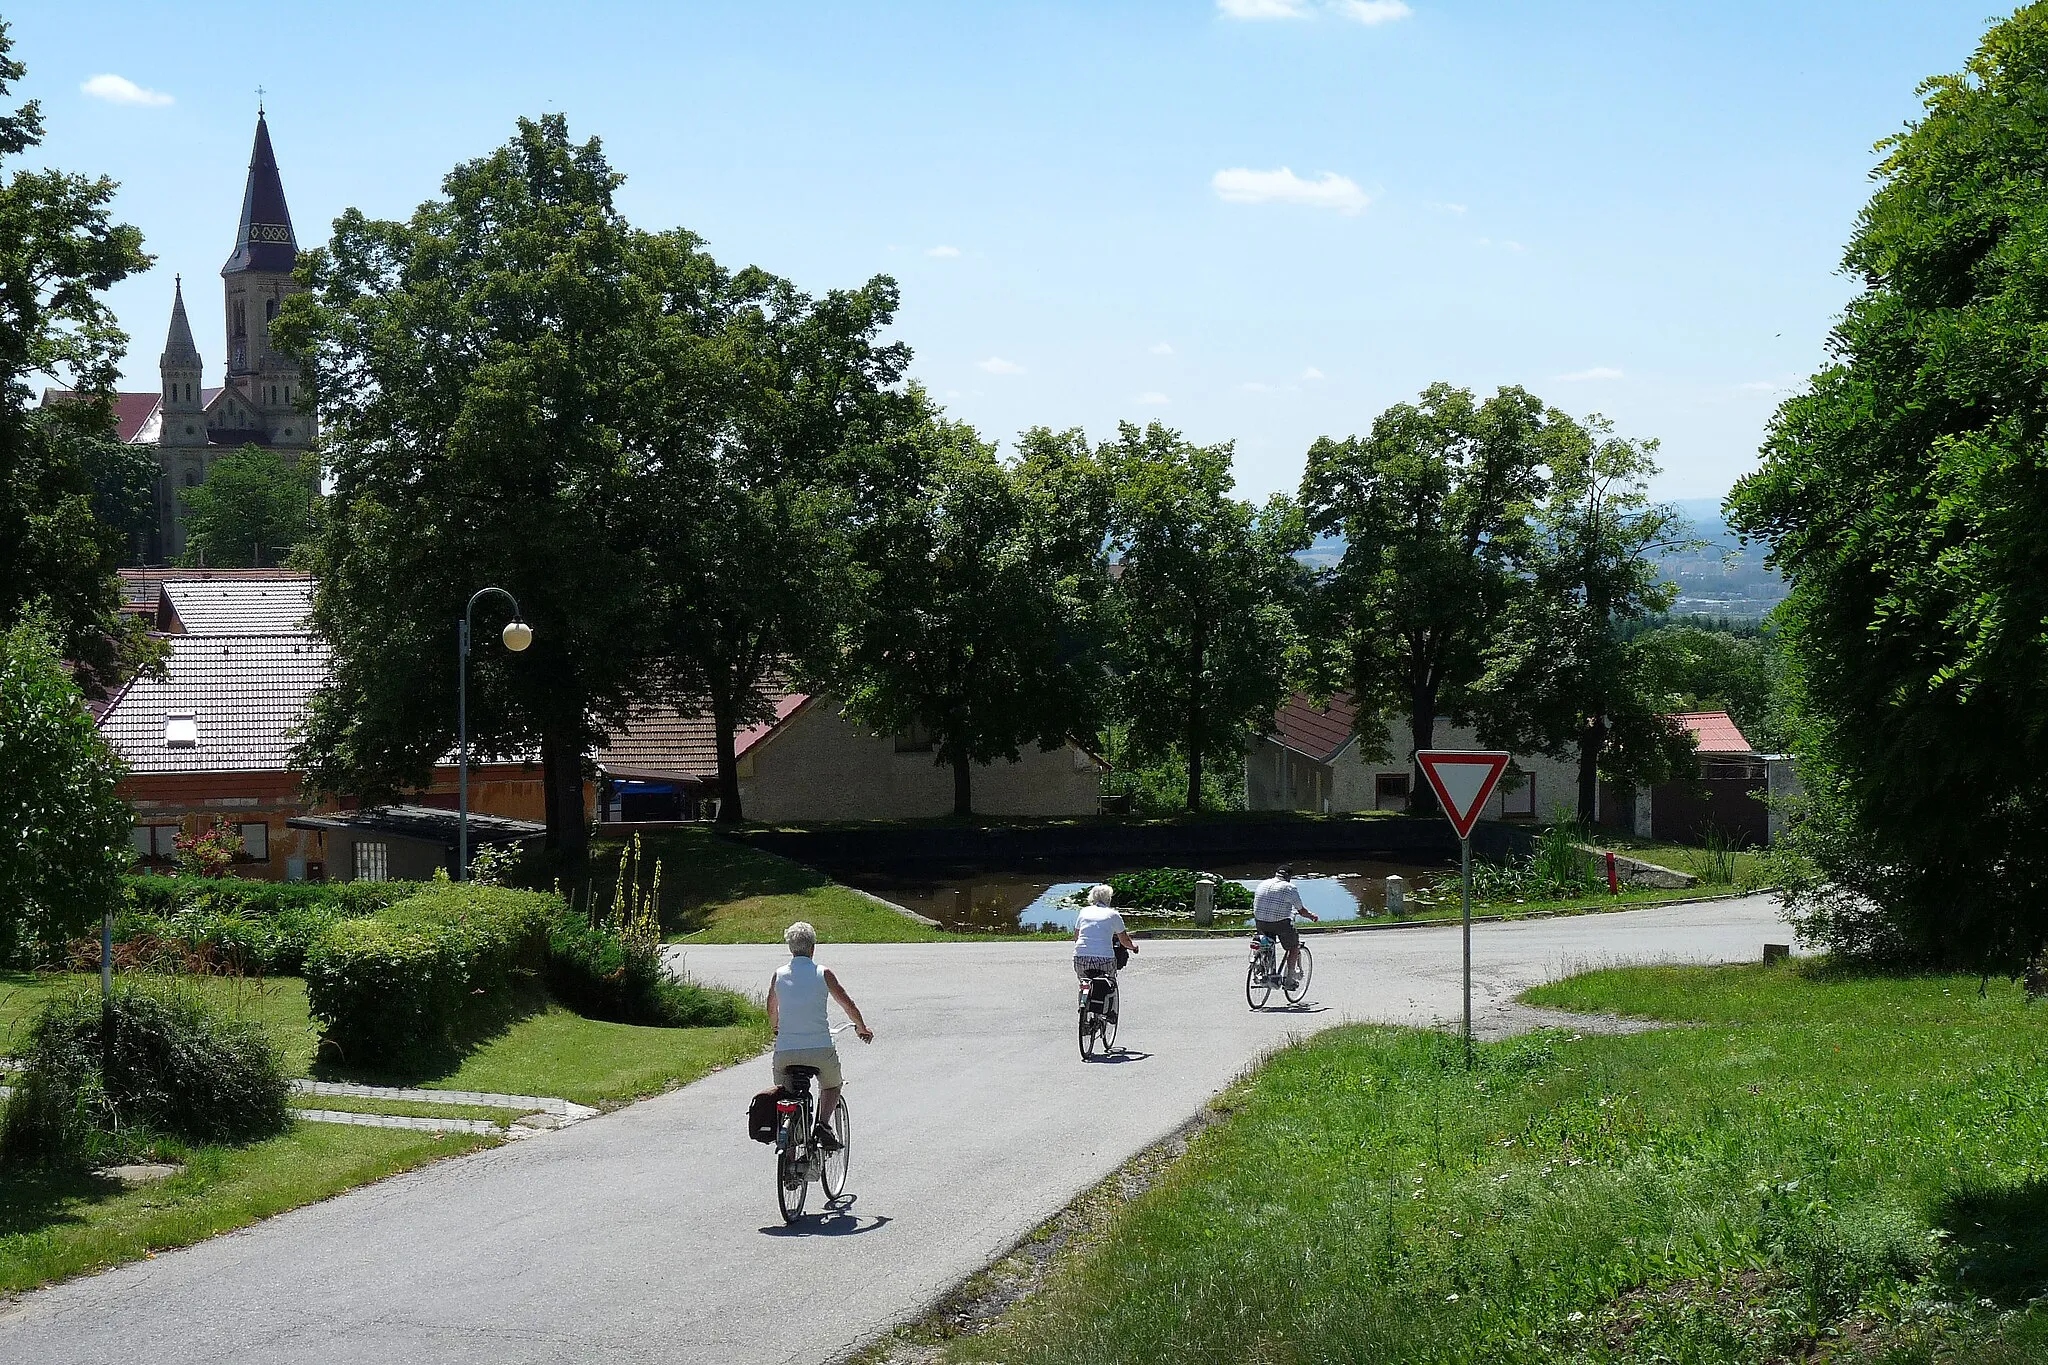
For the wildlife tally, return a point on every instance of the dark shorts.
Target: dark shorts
(1282, 929)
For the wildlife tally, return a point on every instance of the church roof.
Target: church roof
(179, 348)
(264, 241)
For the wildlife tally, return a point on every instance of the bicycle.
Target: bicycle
(798, 1158)
(1265, 974)
(1101, 998)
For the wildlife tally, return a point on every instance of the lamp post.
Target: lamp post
(517, 635)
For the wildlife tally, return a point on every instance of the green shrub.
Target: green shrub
(600, 973)
(1167, 889)
(412, 981)
(170, 1066)
(166, 898)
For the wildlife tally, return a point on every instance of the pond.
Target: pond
(1010, 901)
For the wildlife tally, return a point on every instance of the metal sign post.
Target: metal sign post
(1462, 780)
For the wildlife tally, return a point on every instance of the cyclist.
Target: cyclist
(1098, 933)
(1274, 906)
(803, 1037)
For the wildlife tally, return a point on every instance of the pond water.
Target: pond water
(1000, 902)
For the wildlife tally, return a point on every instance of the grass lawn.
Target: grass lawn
(52, 1227)
(1825, 1167)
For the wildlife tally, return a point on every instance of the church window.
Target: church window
(269, 310)
(241, 319)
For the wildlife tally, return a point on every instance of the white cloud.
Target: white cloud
(995, 364)
(1597, 372)
(1262, 9)
(1374, 11)
(1162, 348)
(1153, 400)
(120, 90)
(946, 251)
(1333, 191)
(1311, 373)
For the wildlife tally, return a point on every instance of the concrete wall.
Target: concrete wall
(1277, 779)
(819, 766)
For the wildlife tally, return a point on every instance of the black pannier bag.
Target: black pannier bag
(761, 1117)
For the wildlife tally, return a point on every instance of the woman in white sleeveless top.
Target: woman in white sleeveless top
(803, 1036)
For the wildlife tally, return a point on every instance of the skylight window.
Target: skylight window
(181, 730)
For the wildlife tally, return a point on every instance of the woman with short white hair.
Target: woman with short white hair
(1098, 932)
(803, 1036)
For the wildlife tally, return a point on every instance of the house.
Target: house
(211, 740)
(808, 762)
(1312, 760)
(1726, 796)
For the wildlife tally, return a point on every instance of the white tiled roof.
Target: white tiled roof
(240, 606)
(247, 694)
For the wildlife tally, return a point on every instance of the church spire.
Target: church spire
(264, 241)
(180, 352)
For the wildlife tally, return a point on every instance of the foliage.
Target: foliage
(1203, 616)
(610, 966)
(156, 1060)
(254, 508)
(1158, 784)
(69, 490)
(496, 864)
(1167, 888)
(1710, 667)
(1832, 1162)
(978, 600)
(212, 852)
(420, 978)
(236, 925)
(474, 365)
(63, 828)
(1562, 680)
(1436, 507)
(1559, 867)
(1902, 496)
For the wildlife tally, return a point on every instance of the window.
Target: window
(255, 842)
(915, 740)
(1390, 791)
(181, 730)
(154, 843)
(373, 862)
(1519, 798)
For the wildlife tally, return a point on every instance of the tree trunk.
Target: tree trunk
(1422, 734)
(561, 759)
(1592, 740)
(963, 784)
(729, 809)
(1199, 657)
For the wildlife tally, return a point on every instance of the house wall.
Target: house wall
(1278, 778)
(819, 766)
(1275, 779)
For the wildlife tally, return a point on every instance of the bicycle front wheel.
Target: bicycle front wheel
(792, 1177)
(1258, 983)
(1298, 990)
(836, 1163)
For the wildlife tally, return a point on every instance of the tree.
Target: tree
(1436, 510)
(1903, 495)
(1700, 668)
(1564, 678)
(254, 508)
(68, 490)
(63, 827)
(1203, 614)
(974, 614)
(763, 441)
(473, 366)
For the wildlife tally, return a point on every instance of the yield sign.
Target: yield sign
(1463, 779)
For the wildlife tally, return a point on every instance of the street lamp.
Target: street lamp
(517, 635)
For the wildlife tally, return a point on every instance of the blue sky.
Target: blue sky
(1632, 208)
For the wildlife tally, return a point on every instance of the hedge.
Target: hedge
(596, 972)
(410, 982)
(263, 927)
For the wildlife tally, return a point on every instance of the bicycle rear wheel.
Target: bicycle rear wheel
(1108, 1034)
(792, 1175)
(1258, 982)
(1298, 992)
(836, 1163)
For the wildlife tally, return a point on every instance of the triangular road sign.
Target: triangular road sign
(1462, 779)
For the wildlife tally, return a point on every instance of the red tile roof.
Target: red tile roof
(1714, 732)
(661, 742)
(131, 410)
(1319, 732)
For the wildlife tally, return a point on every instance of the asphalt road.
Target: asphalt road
(652, 1234)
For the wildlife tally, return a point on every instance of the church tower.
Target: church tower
(184, 423)
(256, 281)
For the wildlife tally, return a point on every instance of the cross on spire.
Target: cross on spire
(259, 99)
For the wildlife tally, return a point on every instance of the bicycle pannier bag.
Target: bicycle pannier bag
(1123, 957)
(761, 1116)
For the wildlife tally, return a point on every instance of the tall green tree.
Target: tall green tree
(763, 441)
(1436, 507)
(1203, 618)
(976, 610)
(1702, 669)
(63, 827)
(254, 509)
(69, 491)
(1903, 495)
(1564, 678)
(472, 365)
